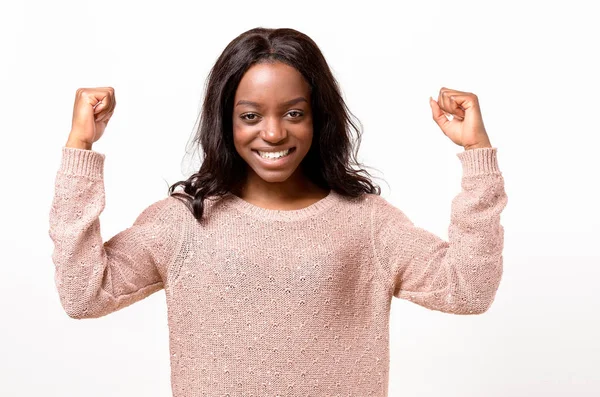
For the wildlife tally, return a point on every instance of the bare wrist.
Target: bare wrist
(486, 145)
(77, 144)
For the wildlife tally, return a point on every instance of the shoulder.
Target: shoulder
(384, 212)
(161, 226)
(377, 203)
(377, 209)
(367, 202)
(166, 210)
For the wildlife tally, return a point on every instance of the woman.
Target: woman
(278, 259)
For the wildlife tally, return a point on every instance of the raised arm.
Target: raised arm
(95, 278)
(459, 276)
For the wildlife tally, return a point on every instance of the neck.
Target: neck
(296, 187)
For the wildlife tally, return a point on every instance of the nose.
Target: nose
(273, 132)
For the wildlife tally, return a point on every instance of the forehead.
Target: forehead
(271, 83)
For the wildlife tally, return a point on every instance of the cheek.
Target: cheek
(306, 129)
(306, 135)
(242, 136)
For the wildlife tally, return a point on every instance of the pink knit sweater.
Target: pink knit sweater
(277, 302)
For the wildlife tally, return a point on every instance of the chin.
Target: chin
(274, 176)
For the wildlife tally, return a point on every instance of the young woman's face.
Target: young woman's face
(271, 114)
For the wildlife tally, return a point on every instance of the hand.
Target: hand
(92, 110)
(466, 129)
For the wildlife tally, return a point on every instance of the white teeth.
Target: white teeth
(274, 155)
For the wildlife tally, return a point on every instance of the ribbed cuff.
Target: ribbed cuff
(479, 161)
(82, 162)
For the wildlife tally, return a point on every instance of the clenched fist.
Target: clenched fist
(466, 127)
(92, 110)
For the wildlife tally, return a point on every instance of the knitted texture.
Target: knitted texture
(266, 302)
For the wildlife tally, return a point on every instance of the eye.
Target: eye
(244, 116)
(299, 114)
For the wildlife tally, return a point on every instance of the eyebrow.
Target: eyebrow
(288, 103)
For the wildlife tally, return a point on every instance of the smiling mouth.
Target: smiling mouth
(275, 155)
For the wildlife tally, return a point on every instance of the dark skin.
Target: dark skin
(279, 117)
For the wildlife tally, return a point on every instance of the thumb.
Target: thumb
(438, 114)
(98, 107)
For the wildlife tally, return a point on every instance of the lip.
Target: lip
(272, 150)
(277, 162)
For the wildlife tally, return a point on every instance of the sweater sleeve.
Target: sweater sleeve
(459, 276)
(95, 278)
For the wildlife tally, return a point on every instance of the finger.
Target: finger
(443, 101)
(455, 108)
(451, 91)
(104, 105)
(99, 107)
(105, 117)
(112, 101)
(449, 105)
(464, 101)
(438, 114)
(444, 107)
(103, 120)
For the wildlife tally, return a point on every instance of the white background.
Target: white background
(534, 66)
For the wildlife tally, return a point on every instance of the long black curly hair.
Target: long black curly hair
(223, 169)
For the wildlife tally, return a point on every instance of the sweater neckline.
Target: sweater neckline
(288, 215)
